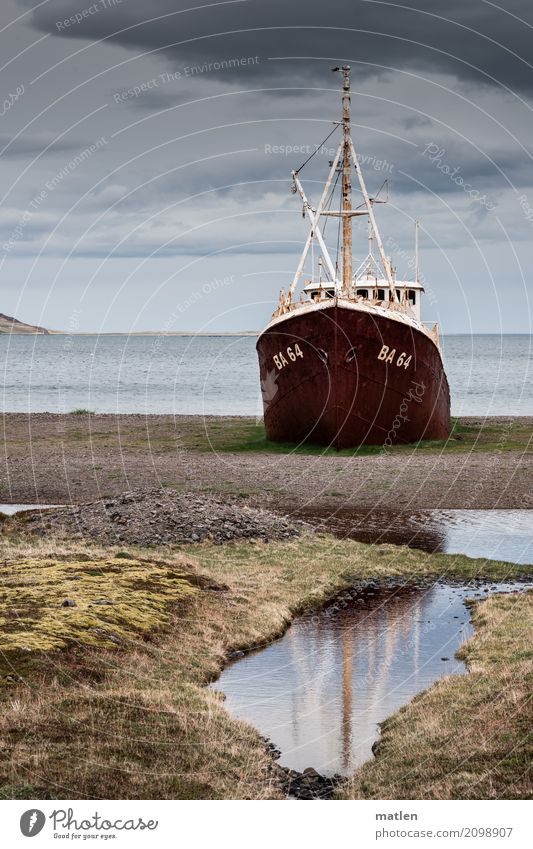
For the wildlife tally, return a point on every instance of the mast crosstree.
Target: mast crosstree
(345, 157)
(346, 185)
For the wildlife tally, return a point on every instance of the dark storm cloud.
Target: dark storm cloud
(416, 121)
(28, 145)
(197, 165)
(472, 40)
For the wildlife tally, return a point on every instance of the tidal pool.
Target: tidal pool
(496, 534)
(320, 692)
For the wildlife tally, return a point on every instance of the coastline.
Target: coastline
(125, 333)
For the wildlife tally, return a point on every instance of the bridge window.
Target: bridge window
(411, 294)
(363, 293)
(381, 294)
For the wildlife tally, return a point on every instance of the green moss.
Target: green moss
(113, 602)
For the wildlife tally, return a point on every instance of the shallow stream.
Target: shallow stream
(320, 692)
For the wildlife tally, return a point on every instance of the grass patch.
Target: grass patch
(49, 604)
(467, 737)
(161, 435)
(246, 435)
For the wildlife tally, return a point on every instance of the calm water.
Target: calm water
(11, 509)
(320, 691)
(489, 375)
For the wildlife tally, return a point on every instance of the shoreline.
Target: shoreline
(48, 332)
(97, 334)
(466, 736)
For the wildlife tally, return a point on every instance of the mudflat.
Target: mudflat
(79, 457)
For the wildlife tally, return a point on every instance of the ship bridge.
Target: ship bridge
(377, 290)
(374, 290)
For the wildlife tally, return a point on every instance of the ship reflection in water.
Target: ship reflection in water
(320, 691)
(497, 534)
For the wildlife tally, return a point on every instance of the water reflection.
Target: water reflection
(497, 534)
(320, 691)
(11, 509)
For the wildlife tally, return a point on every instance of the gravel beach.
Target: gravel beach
(159, 517)
(79, 458)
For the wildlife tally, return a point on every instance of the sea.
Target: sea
(489, 375)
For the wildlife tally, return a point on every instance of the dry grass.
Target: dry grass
(466, 737)
(138, 722)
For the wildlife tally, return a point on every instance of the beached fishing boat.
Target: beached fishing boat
(346, 359)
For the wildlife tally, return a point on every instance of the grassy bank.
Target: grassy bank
(129, 716)
(466, 737)
(245, 435)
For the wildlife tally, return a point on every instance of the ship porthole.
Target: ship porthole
(351, 355)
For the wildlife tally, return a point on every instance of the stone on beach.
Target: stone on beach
(163, 517)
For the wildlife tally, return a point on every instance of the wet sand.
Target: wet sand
(50, 458)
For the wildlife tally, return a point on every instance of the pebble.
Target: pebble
(308, 784)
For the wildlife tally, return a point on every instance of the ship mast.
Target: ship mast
(346, 185)
(349, 155)
(344, 157)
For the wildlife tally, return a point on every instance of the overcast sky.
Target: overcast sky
(145, 170)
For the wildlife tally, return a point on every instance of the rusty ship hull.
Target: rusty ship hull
(342, 375)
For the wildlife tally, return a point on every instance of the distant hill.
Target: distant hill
(13, 325)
